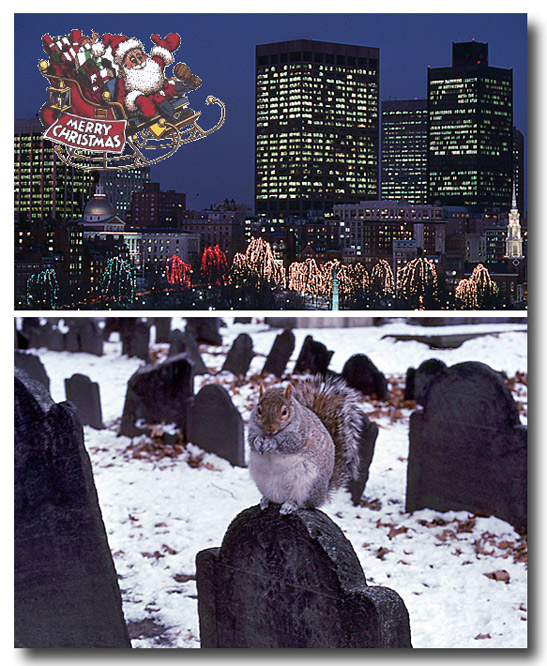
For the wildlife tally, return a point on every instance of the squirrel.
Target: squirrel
(304, 442)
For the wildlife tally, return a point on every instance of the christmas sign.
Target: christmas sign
(113, 96)
(94, 135)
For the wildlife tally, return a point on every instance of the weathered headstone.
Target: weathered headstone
(66, 590)
(54, 338)
(136, 340)
(215, 425)
(468, 448)
(33, 366)
(240, 355)
(91, 337)
(30, 329)
(72, 336)
(163, 328)
(367, 442)
(184, 343)
(85, 396)
(314, 357)
(158, 394)
(360, 373)
(280, 354)
(205, 329)
(292, 582)
(418, 381)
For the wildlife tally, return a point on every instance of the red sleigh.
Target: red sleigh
(145, 142)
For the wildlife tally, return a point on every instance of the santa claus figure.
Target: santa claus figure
(142, 86)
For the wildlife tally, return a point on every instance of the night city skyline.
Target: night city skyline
(220, 48)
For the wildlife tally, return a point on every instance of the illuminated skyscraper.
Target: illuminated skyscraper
(317, 126)
(470, 131)
(404, 150)
(44, 186)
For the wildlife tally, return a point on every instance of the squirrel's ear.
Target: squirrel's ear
(261, 389)
(288, 391)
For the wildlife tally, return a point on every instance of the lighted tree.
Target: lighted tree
(43, 290)
(381, 278)
(214, 266)
(306, 277)
(478, 291)
(178, 272)
(359, 277)
(417, 278)
(118, 282)
(466, 295)
(258, 261)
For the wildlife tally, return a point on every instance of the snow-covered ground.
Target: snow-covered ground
(462, 578)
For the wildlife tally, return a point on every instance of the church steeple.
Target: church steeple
(513, 242)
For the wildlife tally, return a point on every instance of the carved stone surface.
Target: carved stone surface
(280, 354)
(240, 355)
(468, 448)
(85, 396)
(292, 582)
(135, 336)
(215, 425)
(184, 343)
(360, 373)
(158, 394)
(205, 329)
(66, 589)
(418, 381)
(33, 366)
(314, 357)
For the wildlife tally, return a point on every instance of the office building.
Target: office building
(404, 150)
(152, 207)
(316, 127)
(119, 186)
(470, 131)
(44, 186)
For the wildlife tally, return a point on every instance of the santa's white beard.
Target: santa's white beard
(146, 78)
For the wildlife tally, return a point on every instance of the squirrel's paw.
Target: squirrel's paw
(264, 503)
(288, 507)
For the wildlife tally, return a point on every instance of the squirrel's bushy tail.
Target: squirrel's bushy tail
(337, 406)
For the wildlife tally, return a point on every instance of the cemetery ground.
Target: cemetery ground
(463, 578)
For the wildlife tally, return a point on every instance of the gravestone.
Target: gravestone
(91, 337)
(215, 425)
(367, 442)
(32, 366)
(280, 354)
(135, 337)
(360, 373)
(314, 357)
(240, 355)
(184, 343)
(292, 582)
(467, 447)
(204, 329)
(418, 381)
(158, 394)
(66, 589)
(54, 338)
(163, 328)
(30, 328)
(85, 396)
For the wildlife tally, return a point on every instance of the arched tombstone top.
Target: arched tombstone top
(471, 393)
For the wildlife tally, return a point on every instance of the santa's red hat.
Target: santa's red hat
(120, 45)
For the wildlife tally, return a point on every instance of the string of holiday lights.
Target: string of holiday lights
(259, 260)
(417, 278)
(381, 278)
(473, 292)
(118, 282)
(214, 266)
(43, 290)
(178, 272)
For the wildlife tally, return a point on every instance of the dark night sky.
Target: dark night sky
(220, 48)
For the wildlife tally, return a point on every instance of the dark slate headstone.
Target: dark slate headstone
(163, 328)
(467, 447)
(114, 325)
(360, 373)
(367, 442)
(54, 338)
(215, 425)
(136, 340)
(72, 336)
(314, 357)
(30, 328)
(33, 366)
(158, 394)
(204, 329)
(280, 354)
(240, 355)
(85, 396)
(418, 381)
(184, 343)
(66, 589)
(91, 337)
(292, 582)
